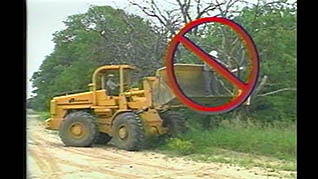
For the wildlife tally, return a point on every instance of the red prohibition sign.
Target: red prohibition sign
(245, 87)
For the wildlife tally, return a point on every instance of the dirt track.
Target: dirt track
(48, 158)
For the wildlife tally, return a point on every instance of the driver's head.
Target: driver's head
(214, 53)
(110, 75)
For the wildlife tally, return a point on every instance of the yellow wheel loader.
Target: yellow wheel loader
(123, 111)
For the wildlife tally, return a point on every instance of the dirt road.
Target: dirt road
(48, 158)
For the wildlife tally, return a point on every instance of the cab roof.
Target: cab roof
(114, 67)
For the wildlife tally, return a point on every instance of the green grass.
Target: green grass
(242, 142)
(44, 115)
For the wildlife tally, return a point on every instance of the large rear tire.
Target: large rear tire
(79, 129)
(174, 121)
(128, 132)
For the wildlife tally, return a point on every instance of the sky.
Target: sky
(44, 17)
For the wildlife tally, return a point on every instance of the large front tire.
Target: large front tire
(79, 129)
(128, 132)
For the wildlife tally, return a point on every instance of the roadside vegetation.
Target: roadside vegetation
(248, 143)
(44, 115)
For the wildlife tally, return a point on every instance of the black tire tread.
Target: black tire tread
(91, 124)
(103, 138)
(132, 119)
(174, 121)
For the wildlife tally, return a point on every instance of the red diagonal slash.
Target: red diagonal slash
(213, 63)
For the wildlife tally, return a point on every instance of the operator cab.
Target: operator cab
(114, 79)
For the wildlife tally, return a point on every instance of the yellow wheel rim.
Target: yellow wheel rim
(77, 130)
(123, 133)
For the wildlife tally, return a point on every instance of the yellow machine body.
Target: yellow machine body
(147, 101)
(106, 107)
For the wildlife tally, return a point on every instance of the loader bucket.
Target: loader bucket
(191, 80)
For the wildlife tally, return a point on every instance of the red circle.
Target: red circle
(246, 88)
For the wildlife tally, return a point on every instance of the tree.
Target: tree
(104, 35)
(100, 36)
(272, 24)
(273, 27)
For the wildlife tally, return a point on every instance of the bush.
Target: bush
(184, 147)
(44, 115)
(281, 107)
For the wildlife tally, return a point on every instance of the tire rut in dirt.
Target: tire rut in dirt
(117, 158)
(85, 168)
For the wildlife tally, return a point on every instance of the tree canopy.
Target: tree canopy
(102, 35)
